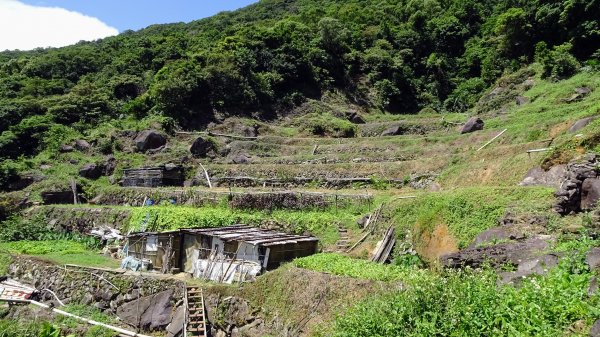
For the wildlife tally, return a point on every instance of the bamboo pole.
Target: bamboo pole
(491, 140)
(206, 175)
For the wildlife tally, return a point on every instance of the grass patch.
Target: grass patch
(318, 223)
(345, 266)
(467, 212)
(59, 252)
(470, 303)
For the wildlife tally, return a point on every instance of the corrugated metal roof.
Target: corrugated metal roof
(248, 234)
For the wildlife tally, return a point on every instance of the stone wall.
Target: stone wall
(80, 219)
(148, 303)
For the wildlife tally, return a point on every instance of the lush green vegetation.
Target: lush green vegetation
(345, 266)
(58, 251)
(467, 212)
(319, 223)
(394, 55)
(59, 326)
(467, 302)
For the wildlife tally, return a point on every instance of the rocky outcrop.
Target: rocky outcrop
(551, 178)
(202, 148)
(149, 140)
(472, 125)
(233, 316)
(582, 123)
(569, 195)
(536, 266)
(106, 290)
(513, 253)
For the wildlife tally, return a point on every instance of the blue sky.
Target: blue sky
(137, 14)
(30, 24)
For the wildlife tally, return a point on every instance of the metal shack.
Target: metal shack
(222, 254)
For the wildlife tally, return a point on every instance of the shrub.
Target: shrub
(558, 63)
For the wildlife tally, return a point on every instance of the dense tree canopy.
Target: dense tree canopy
(396, 55)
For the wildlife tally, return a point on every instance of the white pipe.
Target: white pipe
(89, 321)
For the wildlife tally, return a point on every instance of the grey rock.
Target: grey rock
(583, 91)
(355, 118)
(590, 193)
(176, 326)
(395, 130)
(582, 123)
(246, 130)
(241, 159)
(66, 149)
(202, 148)
(149, 313)
(593, 289)
(593, 258)
(521, 100)
(363, 220)
(91, 171)
(551, 178)
(504, 253)
(472, 125)
(149, 140)
(82, 145)
(110, 164)
(496, 234)
(595, 331)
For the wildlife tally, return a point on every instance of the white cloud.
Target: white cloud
(28, 27)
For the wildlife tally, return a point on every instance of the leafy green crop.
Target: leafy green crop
(345, 266)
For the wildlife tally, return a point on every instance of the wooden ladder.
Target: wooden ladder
(196, 319)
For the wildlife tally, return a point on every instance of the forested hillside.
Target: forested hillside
(266, 59)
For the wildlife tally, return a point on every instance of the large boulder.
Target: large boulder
(91, 171)
(590, 193)
(149, 140)
(82, 145)
(202, 147)
(496, 234)
(66, 148)
(472, 125)
(241, 159)
(504, 253)
(551, 178)
(148, 313)
(582, 123)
